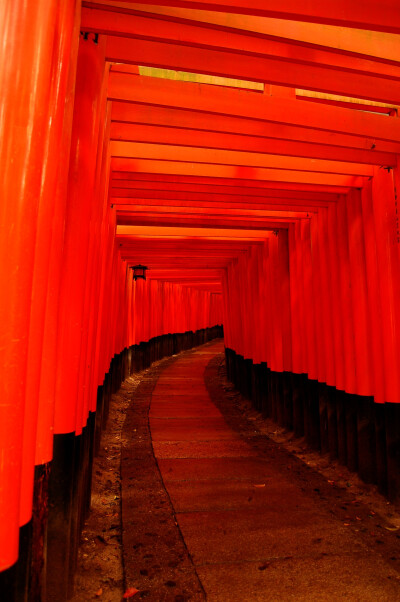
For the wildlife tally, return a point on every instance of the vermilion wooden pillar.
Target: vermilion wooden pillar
(373, 289)
(345, 299)
(102, 178)
(360, 309)
(387, 248)
(310, 362)
(296, 286)
(98, 367)
(103, 353)
(296, 322)
(45, 426)
(334, 275)
(84, 142)
(87, 389)
(54, 142)
(384, 189)
(67, 474)
(361, 319)
(318, 296)
(27, 34)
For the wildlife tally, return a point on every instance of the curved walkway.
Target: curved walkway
(241, 524)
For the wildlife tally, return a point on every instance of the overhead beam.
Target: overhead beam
(196, 97)
(155, 255)
(193, 273)
(122, 196)
(215, 207)
(153, 27)
(227, 223)
(172, 117)
(251, 67)
(192, 233)
(210, 285)
(382, 16)
(151, 185)
(227, 171)
(226, 210)
(371, 42)
(182, 243)
(152, 134)
(166, 152)
(168, 259)
(165, 267)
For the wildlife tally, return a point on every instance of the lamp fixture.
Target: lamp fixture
(139, 271)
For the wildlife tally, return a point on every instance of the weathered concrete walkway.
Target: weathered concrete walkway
(251, 530)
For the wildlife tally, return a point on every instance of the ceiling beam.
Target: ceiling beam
(254, 68)
(169, 152)
(128, 196)
(251, 105)
(227, 171)
(370, 42)
(190, 138)
(197, 122)
(151, 185)
(191, 233)
(382, 16)
(172, 117)
(154, 27)
(218, 207)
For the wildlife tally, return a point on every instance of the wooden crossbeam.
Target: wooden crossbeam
(376, 16)
(250, 105)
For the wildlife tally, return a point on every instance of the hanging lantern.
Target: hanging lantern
(139, 271)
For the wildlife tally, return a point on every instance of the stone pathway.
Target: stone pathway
(251, 531)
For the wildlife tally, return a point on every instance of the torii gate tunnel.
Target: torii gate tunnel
(246, 153)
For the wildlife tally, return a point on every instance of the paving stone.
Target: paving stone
(203, 449)
(313, 579)
(190, 429)
(181, 469)
(166, 409)
(237, 535)
(189, 496)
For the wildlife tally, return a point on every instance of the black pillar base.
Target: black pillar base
(392, 413)
(61, 485)
(323, 398)
(312, 430)
(14, 581)
(351, 432)
(366, 443)
(341, 426)
(332, 423)
(359, 433)
(37, 585)
(380, 446)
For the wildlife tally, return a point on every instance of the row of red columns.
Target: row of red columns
(311, 323)
(322, 298)
(257, 304)
(68, 303)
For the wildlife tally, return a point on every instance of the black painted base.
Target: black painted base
(359, 433)
(49, 542)
(15, 580)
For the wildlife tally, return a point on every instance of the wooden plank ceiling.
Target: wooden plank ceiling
(233, 119)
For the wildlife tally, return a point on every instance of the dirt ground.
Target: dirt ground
(100, 572)
(360, 507)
